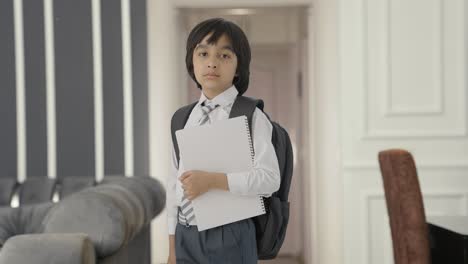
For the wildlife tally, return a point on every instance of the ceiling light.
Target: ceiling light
(240, 11)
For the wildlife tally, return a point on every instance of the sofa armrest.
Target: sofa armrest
(111, 214)
(48, 249)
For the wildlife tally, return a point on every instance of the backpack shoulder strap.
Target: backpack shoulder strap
(244, 105)
(178, 121)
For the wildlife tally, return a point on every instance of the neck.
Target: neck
(212, 93)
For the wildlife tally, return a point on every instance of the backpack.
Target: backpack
(271, 226)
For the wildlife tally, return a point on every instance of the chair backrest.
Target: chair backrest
(405, 207)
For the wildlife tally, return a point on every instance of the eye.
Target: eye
(225, 56)
(202, 54)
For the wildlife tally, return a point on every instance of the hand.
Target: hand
(171, 259)
(196, 183)
(172, 256)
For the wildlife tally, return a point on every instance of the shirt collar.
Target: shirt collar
(223, 99)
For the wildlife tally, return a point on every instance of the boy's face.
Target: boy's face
(214, 65)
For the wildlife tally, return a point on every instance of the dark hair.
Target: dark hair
(240, 45)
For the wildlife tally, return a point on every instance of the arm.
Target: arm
(171, 204)
(264, 179)
(172, 255)
(172, 208)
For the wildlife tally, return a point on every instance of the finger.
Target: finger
(186, 185)
(184, 175)
(186, 180)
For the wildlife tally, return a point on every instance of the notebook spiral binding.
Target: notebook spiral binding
(252, 151)
(262, 204)
(252, 155)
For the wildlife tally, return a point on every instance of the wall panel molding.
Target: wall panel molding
(20, 90)
(8, 133)
(74, 97)
(439, 165)
(369, 196)
(381, 62)
(127, 87)
(112, 87)
(49, 38)
(35, 88)
(74, 88)
(436, 108)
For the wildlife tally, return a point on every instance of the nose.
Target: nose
(212, 63)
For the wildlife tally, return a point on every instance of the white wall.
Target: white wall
(164, 89)
(403, 84)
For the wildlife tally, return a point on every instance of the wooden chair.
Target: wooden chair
(405, 207)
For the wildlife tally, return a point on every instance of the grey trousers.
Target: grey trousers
(233, 243)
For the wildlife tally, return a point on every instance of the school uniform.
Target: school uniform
(234, 242)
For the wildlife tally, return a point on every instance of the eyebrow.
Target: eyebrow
(204, 46)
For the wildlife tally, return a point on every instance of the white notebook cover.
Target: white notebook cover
(223, 146)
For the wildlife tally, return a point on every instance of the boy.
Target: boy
(218, 59)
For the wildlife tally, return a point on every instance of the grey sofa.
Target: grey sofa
(104, 223)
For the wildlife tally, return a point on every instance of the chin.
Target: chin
(212, 86)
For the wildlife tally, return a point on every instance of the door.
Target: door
(274, 78)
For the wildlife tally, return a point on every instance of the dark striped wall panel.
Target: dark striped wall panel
(8, 150)
(111, 28)
(74, 88)
(35, 88)
(140, 87)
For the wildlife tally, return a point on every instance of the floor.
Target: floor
(280, 260)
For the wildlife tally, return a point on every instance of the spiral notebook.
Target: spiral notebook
(223, 146)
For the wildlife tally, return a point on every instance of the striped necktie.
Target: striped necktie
(186, 214)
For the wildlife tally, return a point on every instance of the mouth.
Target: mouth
(211, 75)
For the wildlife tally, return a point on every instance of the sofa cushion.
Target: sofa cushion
(128, 203)
(73, 184)
(7, 224)
(36, 190)
(149, 191)
(22, 220)
(48, 249)
(7, 187)
(91, 213)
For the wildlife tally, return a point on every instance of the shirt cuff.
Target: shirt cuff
(237, 182)
(171, 224)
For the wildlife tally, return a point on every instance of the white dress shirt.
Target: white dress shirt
(264, 179)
